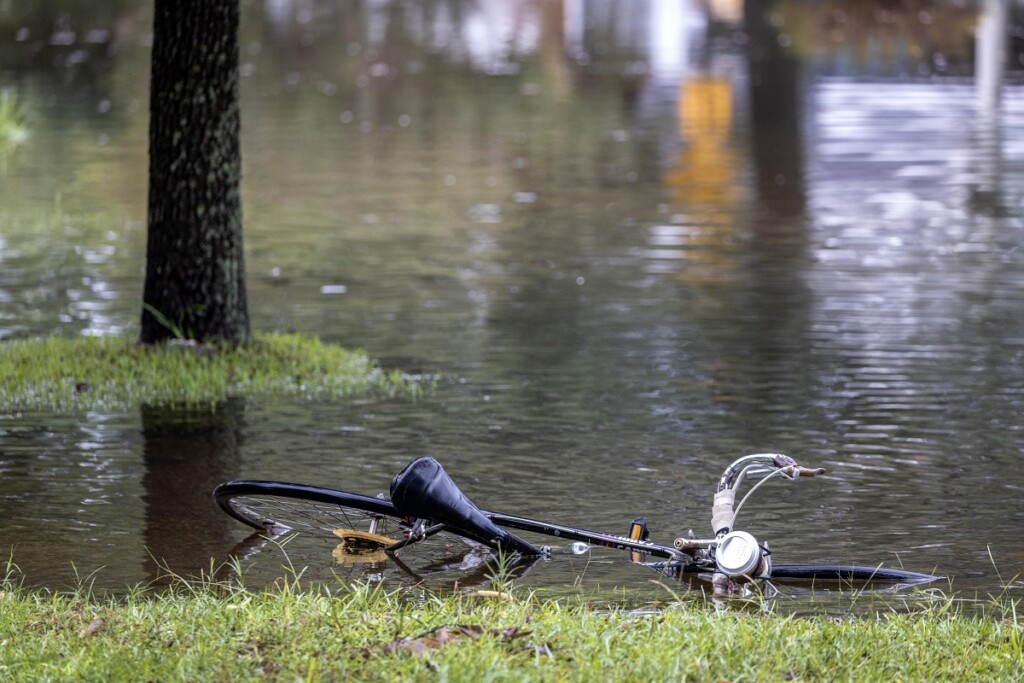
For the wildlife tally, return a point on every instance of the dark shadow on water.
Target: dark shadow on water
(768, 305)
(776, 95)
(186, 453)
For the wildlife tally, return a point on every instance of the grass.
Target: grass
(107, 373)
(208, 630)
(13, 132)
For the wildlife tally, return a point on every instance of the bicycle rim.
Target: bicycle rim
(361, 524)
(847, 576)
(358, 527)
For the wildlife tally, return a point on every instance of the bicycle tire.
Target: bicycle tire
(278, 508)
(847, 575)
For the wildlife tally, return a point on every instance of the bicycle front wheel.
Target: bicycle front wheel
(361, 525)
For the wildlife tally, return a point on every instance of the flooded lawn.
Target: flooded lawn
(633, 240)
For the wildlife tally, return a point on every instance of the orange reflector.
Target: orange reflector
(637, 532)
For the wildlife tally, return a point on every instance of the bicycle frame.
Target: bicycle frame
(597, 538)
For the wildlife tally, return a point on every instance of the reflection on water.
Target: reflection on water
(636, 239)
(186, 453)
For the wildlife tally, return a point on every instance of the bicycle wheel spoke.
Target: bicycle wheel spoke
(311, 517)
(356, 529)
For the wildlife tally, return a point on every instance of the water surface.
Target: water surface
(629, 257)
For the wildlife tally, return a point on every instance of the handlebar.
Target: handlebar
(761, 465)
(753, 467)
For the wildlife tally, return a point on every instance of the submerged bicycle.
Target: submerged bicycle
(426, 504)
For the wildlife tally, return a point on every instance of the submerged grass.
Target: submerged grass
(13, 131)
(90, 373)
(218, 631)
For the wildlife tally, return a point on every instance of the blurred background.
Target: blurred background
(632, 240)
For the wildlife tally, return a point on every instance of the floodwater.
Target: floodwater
(632, 240)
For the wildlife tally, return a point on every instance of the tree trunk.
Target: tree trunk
(195, 274)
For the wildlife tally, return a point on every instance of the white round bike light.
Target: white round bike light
(738, 555)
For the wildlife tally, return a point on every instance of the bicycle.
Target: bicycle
(424, 502)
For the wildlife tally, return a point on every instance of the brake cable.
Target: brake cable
(777, 473)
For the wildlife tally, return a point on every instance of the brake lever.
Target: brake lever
(781, 461)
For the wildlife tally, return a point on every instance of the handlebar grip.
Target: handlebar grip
(808, 472)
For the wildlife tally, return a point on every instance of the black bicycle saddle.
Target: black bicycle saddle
(423, 490)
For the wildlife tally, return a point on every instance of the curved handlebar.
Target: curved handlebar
(756, 466)
(761, 465)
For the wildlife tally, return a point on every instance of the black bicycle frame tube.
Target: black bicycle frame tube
(587, 536)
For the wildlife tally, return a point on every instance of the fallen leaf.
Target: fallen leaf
(473, 631)
(493, 594)
(440, 636)
(95, 626)
(512, 632)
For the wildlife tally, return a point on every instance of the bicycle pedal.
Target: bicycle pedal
(638, 529)
(638, 532)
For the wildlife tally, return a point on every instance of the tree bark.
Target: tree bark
(195, 273)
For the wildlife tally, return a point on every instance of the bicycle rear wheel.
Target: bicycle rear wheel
(361, 525)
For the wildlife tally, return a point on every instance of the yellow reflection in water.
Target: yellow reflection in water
(704, 180)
